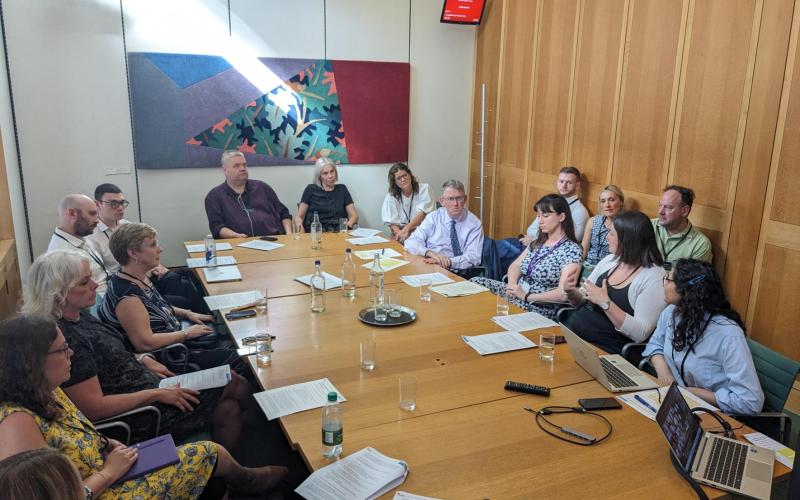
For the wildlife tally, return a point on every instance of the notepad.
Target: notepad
(219, 376)
(221, 273)
(276, 403)
(364, 232)
(459, 289)
(523, 322)
(266, 246)
(201, 247)
(783, 454)
(387, 263)
(653, 401)
(152, 454)
(331, 281)
(370, 254)
(415, 280)
(493, 343)
(232, 300)
(365, 474)
(226, 260)
(369, 240)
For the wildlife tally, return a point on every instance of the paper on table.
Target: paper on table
(783, 454)
(459, 289)
(523, 321)
(370, 254)
(225, 260)
(387, 263)
(364, 232)
(653, 400)
(365, 474)
(222, 273)
(201, 247)
(331, 281)
(404, 495)
(415, 280)
(231, 300)
(260, 245)
(218, 376)
(276, 403)
(369, 240)
(492, 343)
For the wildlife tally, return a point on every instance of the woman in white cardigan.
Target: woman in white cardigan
(621, 300)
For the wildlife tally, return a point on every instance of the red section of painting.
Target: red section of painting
(374, 99)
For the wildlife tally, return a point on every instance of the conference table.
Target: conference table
(468, 437)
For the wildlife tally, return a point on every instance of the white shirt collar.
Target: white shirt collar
(73, 240)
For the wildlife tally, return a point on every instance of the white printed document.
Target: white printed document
(222, 273)
(201, 247)
(387, 263)
(233, 300)
(783, 454)
(404, 495)
(492, 343)
(369, 240)
(364, 232)
(523, 322)
(331, 281)
(204, 379)
(648, 402)
(415, 280)
(276, 403)
(260, 245)
(363, 475)
(370, 254)
(226, 260)
(459, 289)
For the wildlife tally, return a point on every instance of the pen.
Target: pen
(645, 403)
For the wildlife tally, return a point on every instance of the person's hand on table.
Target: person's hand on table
(198, 318)
(514, 290)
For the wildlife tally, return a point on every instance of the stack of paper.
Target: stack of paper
(492, 343)
(523, 321)
(276, 403)
(369, 240)
(331, 281)
(226, 260)
(415, 280)
(459, 289)
(370, 254)
(221, 273)
(260, 245)
(201, 247)
(204, 379)
(387, 263)
(648, 402)
(365, 474)
(364, 232)
(232, 300)
(783, 454)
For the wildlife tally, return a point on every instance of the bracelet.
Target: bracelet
(527, 295)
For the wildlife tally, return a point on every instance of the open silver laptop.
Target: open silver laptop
(611, 370)
(710, 459)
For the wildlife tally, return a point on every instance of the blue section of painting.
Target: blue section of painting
(186, 70)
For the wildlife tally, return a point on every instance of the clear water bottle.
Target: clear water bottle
(375, 281)
(317, 289)
(316, 233)
(348, 275)
(211, 251)
(332, 428)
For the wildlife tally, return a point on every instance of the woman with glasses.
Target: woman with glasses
(35, 413)
(537, 278)
(621, 299)
(330, 200)
(595, 245)
(700, 343)
(407, 203)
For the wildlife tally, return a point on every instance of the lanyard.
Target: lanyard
(689, 351)
(601, 234)
(91, 254)
(664, 243)
(410, 207)
(536, 259)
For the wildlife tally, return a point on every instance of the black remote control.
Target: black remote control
(530, 389)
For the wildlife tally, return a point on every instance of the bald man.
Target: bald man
(77, 215)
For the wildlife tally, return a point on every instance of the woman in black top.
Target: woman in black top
(330, 200)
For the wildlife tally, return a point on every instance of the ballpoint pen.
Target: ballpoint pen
(645, 403)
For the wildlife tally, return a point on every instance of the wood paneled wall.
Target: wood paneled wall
(10, 283)
(645, 93)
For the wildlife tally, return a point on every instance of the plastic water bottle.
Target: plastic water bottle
(332, 428)
(316, 233)
(375, 281)
(348, 275)
(317, 289)
(211, 251)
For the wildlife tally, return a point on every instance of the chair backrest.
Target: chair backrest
(776, 373)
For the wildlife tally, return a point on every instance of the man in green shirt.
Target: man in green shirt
(675, 235)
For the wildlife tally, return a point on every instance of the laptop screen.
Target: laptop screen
(678, 424)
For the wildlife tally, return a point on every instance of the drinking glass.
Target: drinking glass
(408, 392)
(425, 290)
(296, 229)
(263, 350)
(342, 225)
(367, 352)
(502, 303)
(380, 307)
(547, 347)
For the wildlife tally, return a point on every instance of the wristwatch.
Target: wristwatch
(605, 305)
(89, 492)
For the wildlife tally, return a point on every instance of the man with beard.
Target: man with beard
(77, 214)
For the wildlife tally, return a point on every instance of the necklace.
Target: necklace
(149, 287)
(608, 276)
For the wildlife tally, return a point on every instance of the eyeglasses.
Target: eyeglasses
(664, 280)
(453, 199)
(403, 177)
(63, 350)
(117, 204)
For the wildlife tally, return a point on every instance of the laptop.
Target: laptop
(711, 459)
(611, 370)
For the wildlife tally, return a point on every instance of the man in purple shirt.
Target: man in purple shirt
(451, 236)
(240, 207)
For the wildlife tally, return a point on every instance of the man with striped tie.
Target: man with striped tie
(451, 236)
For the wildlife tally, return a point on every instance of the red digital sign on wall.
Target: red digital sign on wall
(462, 11)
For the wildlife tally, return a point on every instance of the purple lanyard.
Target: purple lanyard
(536, 259)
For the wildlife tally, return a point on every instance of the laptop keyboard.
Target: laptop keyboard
(615, 375)
(726, 463)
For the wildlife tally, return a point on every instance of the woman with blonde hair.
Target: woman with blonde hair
(611, 203)
(331, 201)
(40, 474)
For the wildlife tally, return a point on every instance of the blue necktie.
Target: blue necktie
(454, 239)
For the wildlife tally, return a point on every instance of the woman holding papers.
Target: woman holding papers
(407, 203)
(622, 297)
(700, 343)
(35, 359)
(106, 379)
(536, 279)
(330, 200)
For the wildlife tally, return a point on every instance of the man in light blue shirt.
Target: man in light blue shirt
(451, 236)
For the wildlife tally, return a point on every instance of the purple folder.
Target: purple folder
(153, 454)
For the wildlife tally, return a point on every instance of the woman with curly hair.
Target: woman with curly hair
(406, 204)
(700, 343)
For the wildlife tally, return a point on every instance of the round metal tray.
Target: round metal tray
(407, 315)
